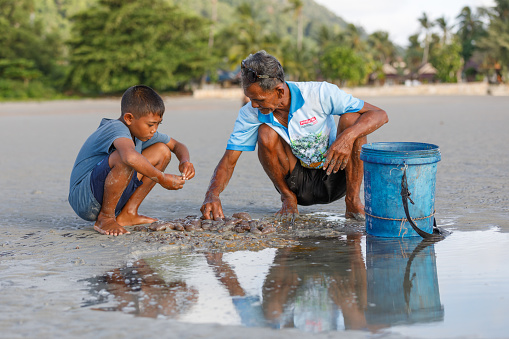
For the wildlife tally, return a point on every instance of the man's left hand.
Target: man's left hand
(337, 155)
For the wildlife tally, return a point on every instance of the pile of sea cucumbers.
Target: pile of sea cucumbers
(239, 222)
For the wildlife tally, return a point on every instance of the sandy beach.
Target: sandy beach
(46, 250)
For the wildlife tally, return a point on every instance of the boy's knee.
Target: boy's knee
(158, 153)
(116, 162)
(164, 151)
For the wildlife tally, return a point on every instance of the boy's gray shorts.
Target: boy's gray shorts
(83, 202)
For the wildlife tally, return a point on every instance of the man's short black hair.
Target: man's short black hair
(141, 100)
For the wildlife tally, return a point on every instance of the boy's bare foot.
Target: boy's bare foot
(126, 219)
(108, 226)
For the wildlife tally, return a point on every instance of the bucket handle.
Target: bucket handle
(437, 234)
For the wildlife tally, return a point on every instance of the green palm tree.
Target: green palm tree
(248, 34)
(382, 48)
(213, 22)
(353, 37)
(470, 29)
(297, 6)
(426, 25)
(443, 23)
(496, 41)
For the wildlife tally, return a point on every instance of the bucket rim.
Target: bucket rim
(386, 146)
(400, 153)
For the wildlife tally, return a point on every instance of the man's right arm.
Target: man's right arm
(211, 208)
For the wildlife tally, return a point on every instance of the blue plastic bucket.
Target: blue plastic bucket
(384, 164)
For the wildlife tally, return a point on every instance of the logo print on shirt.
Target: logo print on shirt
(308, 122)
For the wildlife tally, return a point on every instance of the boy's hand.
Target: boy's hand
(187, 170)
(172, 182)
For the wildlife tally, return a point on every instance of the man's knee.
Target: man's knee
(267, 137)
(346, 120)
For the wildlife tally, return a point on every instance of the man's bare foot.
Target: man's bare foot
(109, 226)
(355, 216)
(126, 219)
(354, 209)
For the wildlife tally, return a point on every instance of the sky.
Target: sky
(398, 17)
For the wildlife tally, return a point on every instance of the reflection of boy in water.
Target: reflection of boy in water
(140, 291)
(299, 292)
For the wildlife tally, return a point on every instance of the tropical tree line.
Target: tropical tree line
(99, 47)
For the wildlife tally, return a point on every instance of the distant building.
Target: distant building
(387, 76)
(426, 73)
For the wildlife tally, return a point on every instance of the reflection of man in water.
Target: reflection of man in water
(247, 306)
(140, 291)
(313, 287)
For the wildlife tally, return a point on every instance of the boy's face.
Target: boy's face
(144, 127)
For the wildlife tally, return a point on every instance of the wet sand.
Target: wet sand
(45, 250)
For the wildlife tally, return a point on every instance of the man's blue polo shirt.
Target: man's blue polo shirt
(311, 127)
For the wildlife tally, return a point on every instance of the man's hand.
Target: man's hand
(288, 210)
(338, 154)
(172, 182)
(211, 208)
(187, 170)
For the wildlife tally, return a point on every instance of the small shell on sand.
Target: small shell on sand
(253, 229)
(195, 222)
(216, 225)
(157, 227)
(206, 224)
(190, 227)
(179, 226)
(232, 221)
(268, 229)
(242, 215)
(239, 229)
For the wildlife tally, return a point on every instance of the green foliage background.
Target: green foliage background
(124, 42)
(52, 48)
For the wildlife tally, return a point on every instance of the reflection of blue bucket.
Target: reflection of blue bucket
(384, 163)
(402, 282)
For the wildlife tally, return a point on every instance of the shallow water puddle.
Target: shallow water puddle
(459, 286)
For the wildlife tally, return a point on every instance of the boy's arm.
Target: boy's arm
(182, 153)
(130, 157)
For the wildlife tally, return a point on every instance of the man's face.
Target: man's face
(265, 101)
(144, 127)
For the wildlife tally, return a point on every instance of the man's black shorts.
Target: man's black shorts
(314, 186)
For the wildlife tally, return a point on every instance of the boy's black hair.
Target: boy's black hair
(141, 100)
